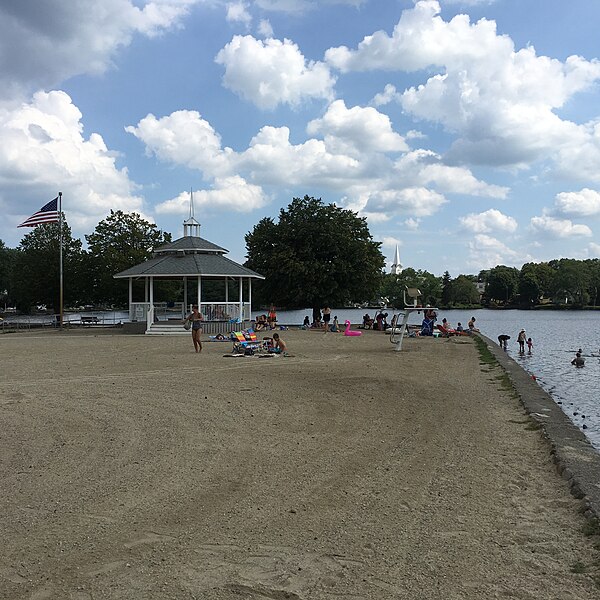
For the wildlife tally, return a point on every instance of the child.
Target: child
(336, 326)
(279, 346)
(529, 344)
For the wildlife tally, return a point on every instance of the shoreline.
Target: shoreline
(578, 462)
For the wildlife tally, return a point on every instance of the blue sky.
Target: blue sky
(467, 132)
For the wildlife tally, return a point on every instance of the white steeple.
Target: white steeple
(396, 267)
(191, 227)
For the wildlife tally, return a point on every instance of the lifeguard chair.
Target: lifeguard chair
(410, 306)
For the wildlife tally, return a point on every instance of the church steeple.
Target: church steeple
(396, 267)
(191, 227)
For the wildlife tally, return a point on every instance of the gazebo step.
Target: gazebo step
(167, 329)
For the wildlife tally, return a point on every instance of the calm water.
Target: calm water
(556, 337)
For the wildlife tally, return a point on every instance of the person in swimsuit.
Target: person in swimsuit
(196, 319)
(326, 317)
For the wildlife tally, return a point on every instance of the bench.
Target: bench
(90, 320)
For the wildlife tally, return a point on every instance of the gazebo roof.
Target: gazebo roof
(189, 256)
(191, 244)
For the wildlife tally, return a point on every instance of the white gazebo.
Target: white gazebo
(195, 261)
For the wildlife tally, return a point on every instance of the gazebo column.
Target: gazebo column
(227, 294)
(198, 302)
(250, 298)
(185, 299)
(130, 298)
(145, 289)
(241, 301)
(151, 291)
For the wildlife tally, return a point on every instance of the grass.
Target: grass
(488, 363)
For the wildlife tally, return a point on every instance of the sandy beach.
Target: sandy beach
(133, 468)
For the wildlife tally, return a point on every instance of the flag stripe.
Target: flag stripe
(47, 214)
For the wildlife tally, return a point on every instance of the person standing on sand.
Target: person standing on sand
(326, 317)
(521, 339)
(196, 319)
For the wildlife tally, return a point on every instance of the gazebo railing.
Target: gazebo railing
(224, 311)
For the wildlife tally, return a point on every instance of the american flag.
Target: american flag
(46, 214)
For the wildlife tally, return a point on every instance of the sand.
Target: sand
(132, 467)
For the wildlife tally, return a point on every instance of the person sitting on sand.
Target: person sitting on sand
(367, 321)
(459, 327)
(279, 346)
(578, 361)
(471, 325)
(306, 323)
(335, 326)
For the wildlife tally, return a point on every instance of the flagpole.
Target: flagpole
(60, 227)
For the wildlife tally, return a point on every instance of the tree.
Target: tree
(7, 262)
(572, 278)
(529, 286)
(502, 283)
(446, 288)
(120, 241)
(316, 254)
(463, 291)
(36, 275)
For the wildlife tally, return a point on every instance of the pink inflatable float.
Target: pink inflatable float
(350, 333)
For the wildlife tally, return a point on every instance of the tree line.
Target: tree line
(314, 254)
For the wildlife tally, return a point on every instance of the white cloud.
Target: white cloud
(426, 168)
(486, 252)
(42, 144)
(184, 138)
(265, 29)
(389, 94)
(501, 102)
(412, 224)
(389, 241)
(488, 221)
(237, 12)
(356, 130)
(585, 203)
(228, 193)
(299, 6)
(550, 227)
(416, 202)
(273, 72)
(44, 43)
(594, 250)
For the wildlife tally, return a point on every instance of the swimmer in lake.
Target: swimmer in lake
(578, 361)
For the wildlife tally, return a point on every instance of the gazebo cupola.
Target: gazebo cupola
(191, 227)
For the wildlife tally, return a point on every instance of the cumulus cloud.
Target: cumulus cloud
(594, 250)
(488, 221)
(265, 29)
(299, 6)
(550, 227)
(227, 193)
(44, 43)
(356, 130)
(417, 202)
(486, 252)
(500, 101)
(426, 167)
(43, 144)
(585, 203)
(184, 138)
(272, 72)
(237, 12)
(348, 154)
(389, 94)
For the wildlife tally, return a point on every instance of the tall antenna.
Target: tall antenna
(191, 204)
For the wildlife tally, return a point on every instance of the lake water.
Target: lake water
(556, 336)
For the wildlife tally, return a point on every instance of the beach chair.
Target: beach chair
(245, 342)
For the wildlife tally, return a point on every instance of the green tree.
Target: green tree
(316, 254)
(463, 291)
(571, 279)
(529, 286)
(7, 262)
(120, 241)
(446, 289)
(502, 284)
(36, 275)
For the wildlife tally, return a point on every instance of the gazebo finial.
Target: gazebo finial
(191, 227)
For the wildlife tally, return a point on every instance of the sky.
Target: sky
(466, 132)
